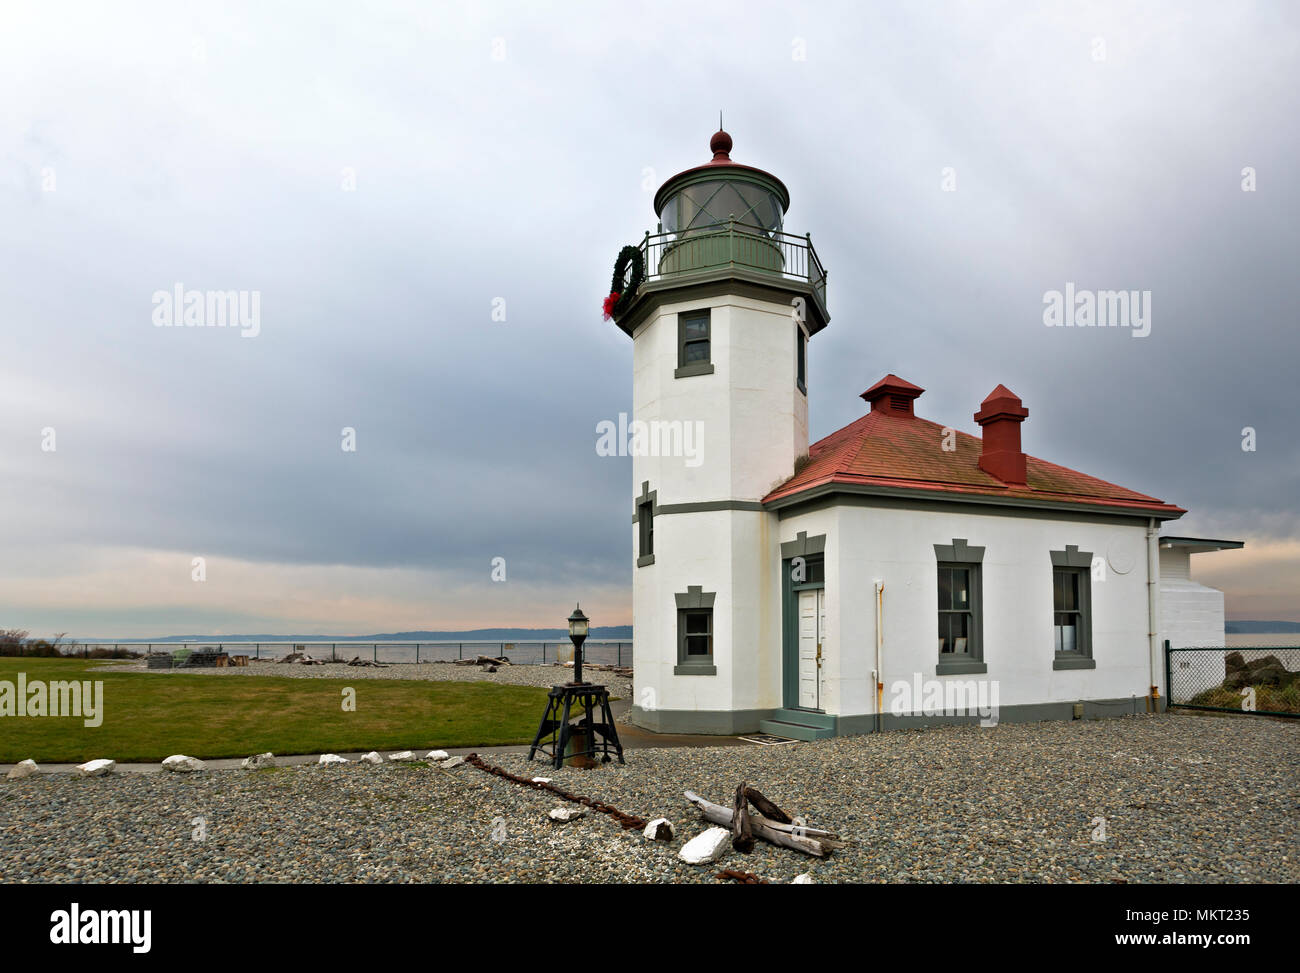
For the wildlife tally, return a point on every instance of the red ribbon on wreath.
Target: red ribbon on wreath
(608, 306)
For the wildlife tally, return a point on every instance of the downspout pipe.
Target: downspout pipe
(878, 676)
(1153, 619)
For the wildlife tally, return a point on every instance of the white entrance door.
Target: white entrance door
(812, 628)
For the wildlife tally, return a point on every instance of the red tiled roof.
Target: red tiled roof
(900, 451)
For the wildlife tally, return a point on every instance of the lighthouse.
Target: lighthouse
(720, 303)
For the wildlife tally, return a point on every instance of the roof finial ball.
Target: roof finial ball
(720, 145)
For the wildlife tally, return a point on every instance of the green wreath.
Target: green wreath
(622, 287)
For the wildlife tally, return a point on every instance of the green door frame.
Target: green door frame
(790, 635)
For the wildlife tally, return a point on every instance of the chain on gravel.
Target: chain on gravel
(628, 821)
(742, 878)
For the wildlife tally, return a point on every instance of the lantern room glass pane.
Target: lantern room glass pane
(708, 204)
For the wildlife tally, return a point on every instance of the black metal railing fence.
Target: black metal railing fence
(1264, 680)
(530, 652)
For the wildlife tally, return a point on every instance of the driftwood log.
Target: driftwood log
(811, 841)
(742, 833)
(601, 667)
(765, 807)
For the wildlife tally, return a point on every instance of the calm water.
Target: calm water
(526, 653)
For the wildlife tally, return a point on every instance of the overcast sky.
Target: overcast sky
(385, 175)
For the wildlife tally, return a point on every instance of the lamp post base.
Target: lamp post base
(598, 732)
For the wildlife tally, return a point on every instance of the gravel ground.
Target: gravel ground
(549, 675)
(1184, 798)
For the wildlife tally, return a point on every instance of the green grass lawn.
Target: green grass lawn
(149, 716)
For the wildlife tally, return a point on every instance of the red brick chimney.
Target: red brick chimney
(892, 395)
(1000, 416)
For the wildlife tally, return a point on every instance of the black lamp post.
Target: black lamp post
(593, 731)
(577, 635)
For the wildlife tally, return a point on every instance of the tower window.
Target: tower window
(644, 517)
(646, 524)
(694, 352)
(801, 358)
(695, 632)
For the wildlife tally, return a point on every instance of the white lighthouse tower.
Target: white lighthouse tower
(719, 326)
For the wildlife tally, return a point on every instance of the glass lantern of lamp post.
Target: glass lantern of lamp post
(577, 635)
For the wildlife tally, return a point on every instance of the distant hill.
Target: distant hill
(612, 632)
(1256, 628)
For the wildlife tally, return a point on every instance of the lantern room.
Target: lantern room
(711, 196)
(721, 224)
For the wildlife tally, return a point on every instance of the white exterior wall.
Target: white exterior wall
(1191, 614)
(896, 545)
(755, 423)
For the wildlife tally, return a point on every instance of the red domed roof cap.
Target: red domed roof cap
(720, 146)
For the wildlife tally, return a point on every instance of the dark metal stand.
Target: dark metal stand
(553, 735)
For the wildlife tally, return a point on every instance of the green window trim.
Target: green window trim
(694, 343)
(803, 545)
(643, 515)
(695, 628)
(646, 535)
(960, 601)
(801, 358)
(1072, 609)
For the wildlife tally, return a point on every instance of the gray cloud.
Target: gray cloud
(209, 149)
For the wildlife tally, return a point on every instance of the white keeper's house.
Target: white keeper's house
(799, 589)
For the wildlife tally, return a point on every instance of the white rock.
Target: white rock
(706, 847)
(436, 755)
(96, 768)
(371, 758)
(452, 762)
(401, 756)
(565, 814)
(804, 879)
(333, 758)
(180, 764)
(541, 780)
(24, 768)
(660, 829)
(259, 761)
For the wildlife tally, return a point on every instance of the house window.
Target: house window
(956, 611)
(960, 642)
(801, 359)
(1072, 609)
(695, 633)
(694, 351)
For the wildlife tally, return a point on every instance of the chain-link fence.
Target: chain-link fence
(1238, 679)
(182, 654)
